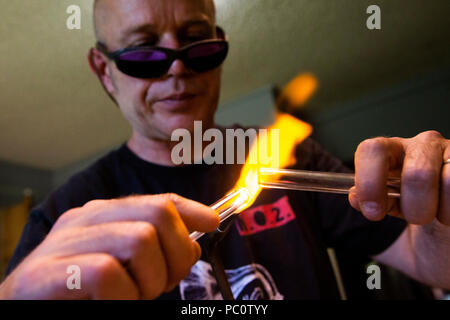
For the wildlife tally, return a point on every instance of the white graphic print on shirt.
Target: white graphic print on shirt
(250, 282)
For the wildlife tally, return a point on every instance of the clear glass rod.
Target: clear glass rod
(231, 204)
(316, 181)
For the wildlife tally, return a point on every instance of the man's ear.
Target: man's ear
(99, 67)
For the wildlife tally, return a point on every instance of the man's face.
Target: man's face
(156, 107)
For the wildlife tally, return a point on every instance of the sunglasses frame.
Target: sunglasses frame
(172, 54)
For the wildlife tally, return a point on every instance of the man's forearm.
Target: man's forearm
(422, 252)
(431, 252)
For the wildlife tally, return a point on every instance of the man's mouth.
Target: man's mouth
(178, 97)
(177, 101)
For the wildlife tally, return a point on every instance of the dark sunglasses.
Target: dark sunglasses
(154, 62)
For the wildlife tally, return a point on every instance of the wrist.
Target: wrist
(7, 288)
(4, 290)
(431, 244)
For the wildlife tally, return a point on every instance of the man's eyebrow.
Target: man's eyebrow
(143, 28)
(200, 22)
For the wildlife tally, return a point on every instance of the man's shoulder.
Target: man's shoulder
(95, 181)
(95, 174)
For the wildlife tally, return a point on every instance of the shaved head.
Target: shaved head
(102, 8)
(99, 17)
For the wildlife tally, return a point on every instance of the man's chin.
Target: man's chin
(169, 124)
(187, 122)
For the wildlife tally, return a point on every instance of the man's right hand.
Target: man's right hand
(130, 248)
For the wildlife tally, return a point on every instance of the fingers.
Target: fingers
(194, 215)
(148, 235)
(156, 260)
(393, 208)
(100, 276)
(420, 181)
(425, 185)
(444, 204)
(168, 214)
(373, 160)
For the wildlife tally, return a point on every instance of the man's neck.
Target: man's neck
(151, 150)
(154, 150)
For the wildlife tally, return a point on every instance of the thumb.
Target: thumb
(195, 215)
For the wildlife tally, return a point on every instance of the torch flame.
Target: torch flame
(291, 131)
(299, 90)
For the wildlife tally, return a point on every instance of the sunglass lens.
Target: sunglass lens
(143, 63)
(205, 57)
(144, 55)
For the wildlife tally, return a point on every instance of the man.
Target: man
(129, 244)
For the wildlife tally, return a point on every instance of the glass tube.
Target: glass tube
(316, 181)
(231, 204)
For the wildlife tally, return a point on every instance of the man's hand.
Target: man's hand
(422, 250)
(130, 248)
(425, 181)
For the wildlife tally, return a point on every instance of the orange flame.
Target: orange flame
(299, 90)
(291, 131)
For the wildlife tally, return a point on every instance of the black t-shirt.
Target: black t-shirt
(276, 249)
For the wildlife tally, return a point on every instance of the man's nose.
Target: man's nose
(178, 68)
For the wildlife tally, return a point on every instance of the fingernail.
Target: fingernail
(371, 209)
(353, 193)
